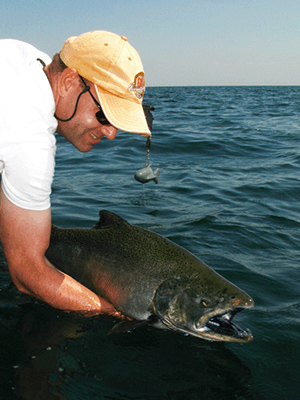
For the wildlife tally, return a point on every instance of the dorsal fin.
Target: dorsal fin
(108, 218)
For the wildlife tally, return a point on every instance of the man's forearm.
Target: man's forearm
(59, 290)
(25, 236)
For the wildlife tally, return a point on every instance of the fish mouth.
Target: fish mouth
(221, 328)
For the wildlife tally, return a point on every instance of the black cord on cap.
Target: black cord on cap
(87, 88)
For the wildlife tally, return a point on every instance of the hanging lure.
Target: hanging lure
(147, 174)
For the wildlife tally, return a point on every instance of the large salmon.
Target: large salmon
(148, 277)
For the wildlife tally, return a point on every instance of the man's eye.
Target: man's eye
(101, 118)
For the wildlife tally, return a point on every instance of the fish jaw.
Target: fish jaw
(221, 328)
(180, 308)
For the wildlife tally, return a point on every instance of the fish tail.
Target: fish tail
(156, 173)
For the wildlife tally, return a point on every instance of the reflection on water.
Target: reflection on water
(53, 355)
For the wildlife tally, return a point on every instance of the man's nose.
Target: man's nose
(110, 132)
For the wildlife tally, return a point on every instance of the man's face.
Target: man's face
(83, 130)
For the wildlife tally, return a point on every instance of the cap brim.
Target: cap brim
(123, 114)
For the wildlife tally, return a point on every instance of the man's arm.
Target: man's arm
(25, 236)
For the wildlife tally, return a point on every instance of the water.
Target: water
(228, 191)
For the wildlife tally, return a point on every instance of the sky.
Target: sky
(181, 43)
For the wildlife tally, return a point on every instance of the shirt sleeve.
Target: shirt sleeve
(27, 141)
(27, 175)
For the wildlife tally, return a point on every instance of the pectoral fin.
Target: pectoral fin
(129, 326)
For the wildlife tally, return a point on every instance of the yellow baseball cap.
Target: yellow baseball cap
(114, 66)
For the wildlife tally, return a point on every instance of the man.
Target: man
(90, 90)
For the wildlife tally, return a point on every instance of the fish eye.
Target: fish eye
(203, 302)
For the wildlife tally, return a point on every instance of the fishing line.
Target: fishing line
(147, 162)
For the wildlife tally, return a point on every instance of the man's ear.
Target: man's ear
(68, 81)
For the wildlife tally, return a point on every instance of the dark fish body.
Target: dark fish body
(143, 274)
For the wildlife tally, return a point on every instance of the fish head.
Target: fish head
(203, 308)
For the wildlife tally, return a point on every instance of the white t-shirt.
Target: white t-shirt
(27, 126)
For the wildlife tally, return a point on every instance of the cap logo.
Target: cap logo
(138, 85)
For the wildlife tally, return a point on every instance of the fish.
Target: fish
(150, 279)
(146, 175)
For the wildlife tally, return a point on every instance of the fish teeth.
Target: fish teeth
(93, 136)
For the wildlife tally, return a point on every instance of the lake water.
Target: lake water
(229, 191)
